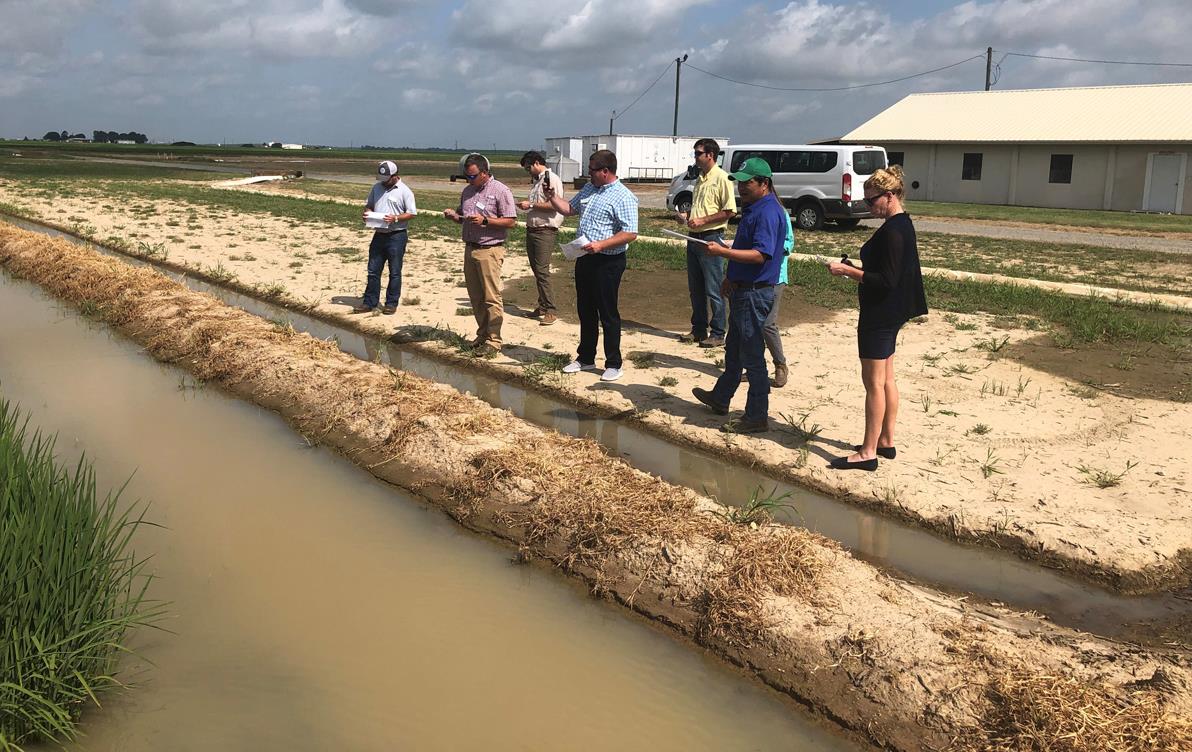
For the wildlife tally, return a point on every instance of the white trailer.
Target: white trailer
(639, 158)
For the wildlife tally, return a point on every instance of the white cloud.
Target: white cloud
(814, 43)
(38, 25)
(568, 33)
(421, 97)
(281, 29)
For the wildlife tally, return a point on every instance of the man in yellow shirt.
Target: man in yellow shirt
(713, 204)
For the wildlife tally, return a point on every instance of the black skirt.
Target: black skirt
(877, 344)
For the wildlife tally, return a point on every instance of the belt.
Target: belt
(706, 233)
(542, 228)
(750, 285)
(391, 232)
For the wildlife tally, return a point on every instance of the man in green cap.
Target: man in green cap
(754, 263)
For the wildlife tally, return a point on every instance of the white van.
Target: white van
(814, 182)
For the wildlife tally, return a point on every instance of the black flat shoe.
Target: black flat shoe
(842, 463)
(886, 452)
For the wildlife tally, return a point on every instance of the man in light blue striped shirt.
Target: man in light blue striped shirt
(608, 219)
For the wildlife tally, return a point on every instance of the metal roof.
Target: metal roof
(1156, 113)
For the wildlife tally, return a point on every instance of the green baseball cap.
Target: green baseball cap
(754, 167)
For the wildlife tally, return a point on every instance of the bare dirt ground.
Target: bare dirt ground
(901, 667)
(1002, 447)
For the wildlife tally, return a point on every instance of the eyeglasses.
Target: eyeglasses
(470, 178)
(699, 153)
(871, 200)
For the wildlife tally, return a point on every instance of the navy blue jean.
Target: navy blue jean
(384, 248)
(745, 348)
(704, 276)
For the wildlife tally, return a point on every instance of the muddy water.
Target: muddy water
(315, 608)
(910, 551)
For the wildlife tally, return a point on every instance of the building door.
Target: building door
(1165, 183)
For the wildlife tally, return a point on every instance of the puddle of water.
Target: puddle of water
(316, 608)
(910, 551)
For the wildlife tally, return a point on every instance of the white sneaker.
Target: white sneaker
(575, 367)
(610, 374)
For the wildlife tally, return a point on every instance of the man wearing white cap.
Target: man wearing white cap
(395, 200)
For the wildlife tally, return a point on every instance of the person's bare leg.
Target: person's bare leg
(873, 376)
(886, 438)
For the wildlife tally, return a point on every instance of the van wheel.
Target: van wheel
(849, 223)
(683, 203)
(809, 216)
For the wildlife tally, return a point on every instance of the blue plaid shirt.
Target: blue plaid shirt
(605, 211)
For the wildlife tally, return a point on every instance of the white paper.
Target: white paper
(375, 220)
(674, 234)
(574, 249)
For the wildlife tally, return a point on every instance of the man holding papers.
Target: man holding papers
(390, 206)
(487, 211)
(754, 266)
(712, 206)
(608, 219)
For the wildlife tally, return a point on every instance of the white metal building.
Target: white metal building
(1108, 147)
(638, 157)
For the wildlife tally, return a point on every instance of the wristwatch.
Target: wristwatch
(484, 222)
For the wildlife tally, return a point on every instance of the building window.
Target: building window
(895, 157)
(1061, 169)
(971, 169)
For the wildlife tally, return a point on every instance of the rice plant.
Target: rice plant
(70, 587)
(758, 509)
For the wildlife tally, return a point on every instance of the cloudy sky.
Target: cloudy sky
(511, 72)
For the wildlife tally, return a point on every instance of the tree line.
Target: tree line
(99, 137)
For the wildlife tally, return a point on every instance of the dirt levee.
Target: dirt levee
(902, 666)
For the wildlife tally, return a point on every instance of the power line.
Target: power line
(1103, 62)
(837, 88)
(644, 93)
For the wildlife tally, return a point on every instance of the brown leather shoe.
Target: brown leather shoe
(362, 309)
(389, 310)
(548, 318)
(781, 374)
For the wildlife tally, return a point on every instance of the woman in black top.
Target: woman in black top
(890, 292)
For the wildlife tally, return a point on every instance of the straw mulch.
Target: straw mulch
(1029, 711)
(593, 507)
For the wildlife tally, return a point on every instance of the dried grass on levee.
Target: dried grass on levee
(1032, 712)
(598, 506)
(759, 563)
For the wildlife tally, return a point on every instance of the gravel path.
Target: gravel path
(1043, 233)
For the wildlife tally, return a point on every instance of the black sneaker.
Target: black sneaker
(704, 396)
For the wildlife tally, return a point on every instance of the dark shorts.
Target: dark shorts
(877, 344)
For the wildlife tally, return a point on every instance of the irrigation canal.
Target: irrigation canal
(908, 551)
(314, 607)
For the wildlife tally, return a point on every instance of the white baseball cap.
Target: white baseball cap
(386, 170)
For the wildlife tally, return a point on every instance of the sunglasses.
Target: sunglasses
(871, 200)
(699, 153)
(470, 178)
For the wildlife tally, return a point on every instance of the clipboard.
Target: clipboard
(681, 236)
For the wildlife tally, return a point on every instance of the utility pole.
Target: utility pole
(678, 69)
(988, 65)
(611, 118)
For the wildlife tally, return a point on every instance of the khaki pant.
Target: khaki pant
(482, 275)
(540, 246)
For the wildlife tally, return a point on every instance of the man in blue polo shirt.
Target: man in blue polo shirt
(754, 263)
